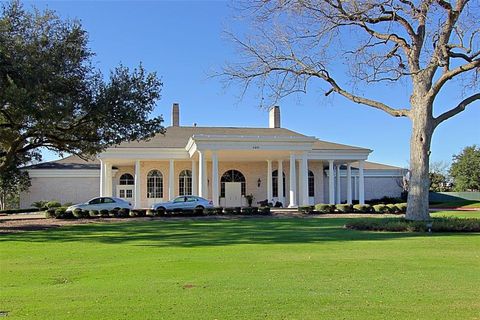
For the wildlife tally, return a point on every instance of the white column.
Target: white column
(171, 180)
(215, 193)
(300, 183)
(355, 188)
(280, 182)
(269, 181)
(202, 175)
(361, 183)
(137, 195)
(304, 175)
(194, 179)
(349, 183)
(108, 180)
(319, 187)
(102, 178)
(331, 183)
(293, 182)
(338, 191)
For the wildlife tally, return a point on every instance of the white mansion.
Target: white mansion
(223, 164)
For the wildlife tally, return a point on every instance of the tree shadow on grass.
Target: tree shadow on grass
(195, 233)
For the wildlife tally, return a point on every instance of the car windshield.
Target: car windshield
(179, 199)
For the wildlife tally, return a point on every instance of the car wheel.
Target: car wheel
(161, 209)
(117, 208)
(200, 207)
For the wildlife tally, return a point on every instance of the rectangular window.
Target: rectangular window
(129, 193)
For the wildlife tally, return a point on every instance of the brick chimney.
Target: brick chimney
(274, 117)
(175, 115)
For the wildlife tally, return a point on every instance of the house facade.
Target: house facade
(224, 164)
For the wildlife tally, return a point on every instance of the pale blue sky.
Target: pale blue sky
(184, 42)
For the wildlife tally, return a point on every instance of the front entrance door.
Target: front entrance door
(233, 194)
(126, 192)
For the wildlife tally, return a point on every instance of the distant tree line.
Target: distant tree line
(462, 175)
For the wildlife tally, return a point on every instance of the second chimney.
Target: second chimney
(175, 115)
(274, 117)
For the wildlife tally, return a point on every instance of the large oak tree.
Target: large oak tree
(421, 43)
(52, 96)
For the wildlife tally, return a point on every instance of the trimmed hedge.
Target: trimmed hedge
(53, 204)
(229, 211)
(50, 214)
(133, 213)
(93, 213)
(12, 211)
(380, 208)
(198, 211)
(62, 213)
(81, 214)
(104, 213)
(264, 210)
(362, 208)
(209, 211)
(324, 208)
(246, 210)
(123, 213)
(402, 225)
(402, 207)
(306, 209)
(343, 208)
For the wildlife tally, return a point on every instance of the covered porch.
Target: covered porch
(226, 169)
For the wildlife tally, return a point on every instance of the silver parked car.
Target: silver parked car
(102, 203)
(184, 203)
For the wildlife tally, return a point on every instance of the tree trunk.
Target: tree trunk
(422, 130)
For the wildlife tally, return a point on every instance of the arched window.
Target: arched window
(126, 179)
(154, 184)
(232, 176)
(311, 184)
(275, 183)
(185, 183)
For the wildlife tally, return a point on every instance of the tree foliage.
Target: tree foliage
(465, 169)
(51, 96)
(425, 44)
(12, 182)
(438, 176)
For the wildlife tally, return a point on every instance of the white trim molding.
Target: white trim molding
(65, 173)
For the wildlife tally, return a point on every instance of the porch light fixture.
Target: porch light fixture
(259, 182)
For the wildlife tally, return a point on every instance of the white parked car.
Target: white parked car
(102, 203)
(184, 203)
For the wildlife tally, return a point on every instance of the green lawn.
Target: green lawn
(457, 204)
(238, 269)
(458, 214)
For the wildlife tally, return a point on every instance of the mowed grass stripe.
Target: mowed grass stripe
(238, 269)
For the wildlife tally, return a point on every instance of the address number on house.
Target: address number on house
(255, 147)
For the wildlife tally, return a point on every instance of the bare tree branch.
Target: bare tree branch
(459, 108)
(450, 74)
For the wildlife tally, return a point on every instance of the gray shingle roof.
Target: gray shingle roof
(177, 137)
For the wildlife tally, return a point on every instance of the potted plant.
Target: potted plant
(249, 198)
